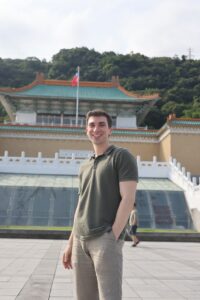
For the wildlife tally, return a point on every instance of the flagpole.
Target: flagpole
(77, 95)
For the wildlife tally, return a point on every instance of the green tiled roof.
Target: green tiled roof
(69, 92)
(135, 132)
(79, 130)
(186, 122)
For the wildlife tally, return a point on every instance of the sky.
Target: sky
(155, 28)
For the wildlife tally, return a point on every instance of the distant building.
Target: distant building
(42, 119)
(41, 148)
(53, 102)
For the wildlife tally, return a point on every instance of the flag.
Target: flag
(75, 79)
(75, 82)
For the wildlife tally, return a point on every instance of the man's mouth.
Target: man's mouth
(97, 136)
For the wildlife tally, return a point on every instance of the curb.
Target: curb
(63, 235)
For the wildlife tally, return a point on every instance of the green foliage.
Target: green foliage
(19, 72)
(176, 79)
(3, 115)
(64, 64)
(194, 110)
(154, 119)
(173, 107)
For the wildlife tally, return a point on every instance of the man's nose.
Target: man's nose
(96, 128)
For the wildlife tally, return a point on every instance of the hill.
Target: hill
(176, 79)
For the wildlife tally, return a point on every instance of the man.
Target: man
(133, 222)
(108, 183)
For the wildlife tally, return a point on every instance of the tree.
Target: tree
(65, 63)
(177, 80)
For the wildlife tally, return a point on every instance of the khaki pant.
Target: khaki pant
(97, 265)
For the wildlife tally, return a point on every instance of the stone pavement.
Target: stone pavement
(32, 269)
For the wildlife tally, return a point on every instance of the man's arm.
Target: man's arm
(67, 255)
(127, 191)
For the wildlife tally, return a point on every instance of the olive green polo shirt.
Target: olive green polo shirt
(99, 194)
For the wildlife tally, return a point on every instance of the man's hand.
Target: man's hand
(127, 192)
(115, 232)
(67, 257)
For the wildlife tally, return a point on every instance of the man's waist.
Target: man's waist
(91, 233)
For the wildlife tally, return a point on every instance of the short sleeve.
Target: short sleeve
(126, 165)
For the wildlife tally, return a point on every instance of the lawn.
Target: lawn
(36, 228)
(67, 228)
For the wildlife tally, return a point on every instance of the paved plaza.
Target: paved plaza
(32, 269)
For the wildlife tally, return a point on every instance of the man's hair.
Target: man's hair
(99, 113)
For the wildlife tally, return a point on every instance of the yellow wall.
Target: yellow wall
(165, 148)
(48, 147)
(146, 151)
(186, 150)
(182, 146)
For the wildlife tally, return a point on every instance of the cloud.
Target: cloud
(168, 28)
(155, 28)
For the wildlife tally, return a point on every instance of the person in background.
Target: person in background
(133, 222)
(107, 190)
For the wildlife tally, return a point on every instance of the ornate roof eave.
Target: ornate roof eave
(43, 97)
(75, 130)
(40, 80)
(7, 106)
(155, 96)
(179, 125)
(172, 121)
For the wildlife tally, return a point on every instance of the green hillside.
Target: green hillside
(177, 79)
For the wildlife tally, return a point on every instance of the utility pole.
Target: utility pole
(190, 54)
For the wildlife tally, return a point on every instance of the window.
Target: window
(48, 119)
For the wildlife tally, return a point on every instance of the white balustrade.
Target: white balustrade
(39, 165)
(152, 169)
(71, 164)
(184, 180)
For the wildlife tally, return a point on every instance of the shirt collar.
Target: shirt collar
(108, 151)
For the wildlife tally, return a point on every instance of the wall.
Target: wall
(196, 218)
(178, 143)
(146, 150)
(70, 165)
(48, 146)
(185, 148)
(32, 146)
(25, 117)
(165, 148)
(126, 122)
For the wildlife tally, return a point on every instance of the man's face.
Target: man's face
(97, 130)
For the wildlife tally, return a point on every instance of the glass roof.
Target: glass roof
(72, 181)
(38, 180)
(157, 184)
